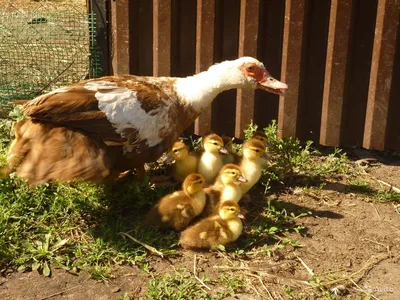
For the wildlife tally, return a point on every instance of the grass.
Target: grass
(77, 226)
(38, 57)
(371, 194)
(74, 226)
(181, 285)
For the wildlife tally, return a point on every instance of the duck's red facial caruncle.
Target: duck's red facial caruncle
(264, 80)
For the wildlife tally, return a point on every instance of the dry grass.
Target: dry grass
(48, 5)
(43, 45)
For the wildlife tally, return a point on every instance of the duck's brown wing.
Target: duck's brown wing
(119, 109)
(75, 107)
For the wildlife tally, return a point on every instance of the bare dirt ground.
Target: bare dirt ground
(351, 244)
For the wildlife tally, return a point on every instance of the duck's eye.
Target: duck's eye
(233, 173)
(257, 150)
(231, 209)
(271, 79)
(250, 69)
(176, 151)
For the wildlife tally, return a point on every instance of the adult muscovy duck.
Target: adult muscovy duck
(98, 128)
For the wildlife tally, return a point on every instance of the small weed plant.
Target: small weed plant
(291, 161)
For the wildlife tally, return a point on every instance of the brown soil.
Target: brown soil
(350, 243)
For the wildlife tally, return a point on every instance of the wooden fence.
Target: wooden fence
(341, 59)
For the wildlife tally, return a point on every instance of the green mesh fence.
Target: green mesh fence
(40, 51)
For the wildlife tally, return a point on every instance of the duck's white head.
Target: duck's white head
(248, 72)
(242, 73)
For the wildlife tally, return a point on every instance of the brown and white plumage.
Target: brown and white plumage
(127, 119)
(221, 229)
(178, 209)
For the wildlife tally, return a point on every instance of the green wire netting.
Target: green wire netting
(40, 51)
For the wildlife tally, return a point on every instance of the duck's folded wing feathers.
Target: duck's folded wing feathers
(118, 109)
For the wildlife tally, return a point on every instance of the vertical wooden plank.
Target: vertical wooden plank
(359, 68)
(120, 36)
(393, 123)
(161, 37)
(248, 34)
(381, 74)
(270, 28)
(100, 10)
(183, 37)
(226, 47)
(335, 72)
(313, 70)
(291, 66)
(204, 53)
(141, 37)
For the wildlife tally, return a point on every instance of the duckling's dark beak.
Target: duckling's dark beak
(241, 216)
(223, 150)
(242, 179)
(169, 159)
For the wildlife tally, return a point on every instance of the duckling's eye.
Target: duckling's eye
(232, 209)
(176, 151)
(257, 150)
(233, 173)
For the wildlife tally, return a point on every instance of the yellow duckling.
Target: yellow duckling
(211, 162)
(185, 163)
(230, 157)
(227, 186)
(178, 209)
(252, 164)
(221, 229)
(260, 135)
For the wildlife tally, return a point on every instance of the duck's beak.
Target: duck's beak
(270, 84)
(241, 216)
(169, 159)
(265, 156)
(223, 150)
(242, 179)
